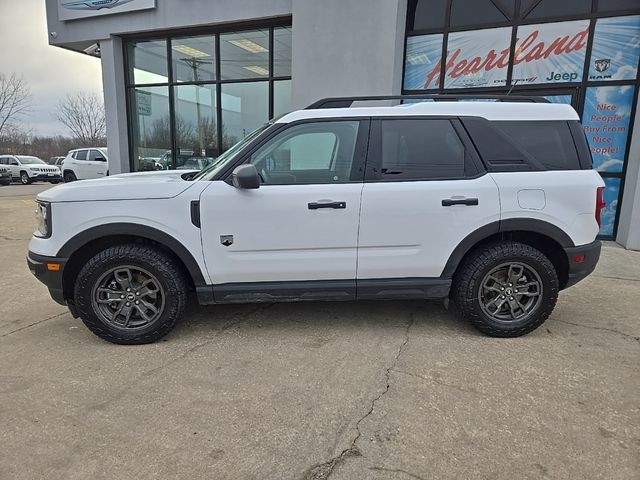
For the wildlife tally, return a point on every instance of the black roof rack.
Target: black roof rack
(346, 102)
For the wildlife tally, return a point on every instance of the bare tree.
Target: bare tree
(83, 114)
(15, 100)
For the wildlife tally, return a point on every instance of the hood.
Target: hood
(127, 186)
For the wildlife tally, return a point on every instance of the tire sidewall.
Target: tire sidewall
(24, 179)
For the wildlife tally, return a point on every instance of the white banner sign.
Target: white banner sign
(73, 9)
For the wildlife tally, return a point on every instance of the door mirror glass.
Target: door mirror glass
(246, 177)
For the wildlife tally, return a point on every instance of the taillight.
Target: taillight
(600, 203)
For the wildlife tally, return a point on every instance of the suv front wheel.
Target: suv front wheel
(506, 289)
(130, 294)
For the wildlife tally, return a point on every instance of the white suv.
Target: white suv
(84, 164)
(29, 169)
(493, 203)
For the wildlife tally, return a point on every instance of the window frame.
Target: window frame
(358, 166)
(473, 166)
(172, 82)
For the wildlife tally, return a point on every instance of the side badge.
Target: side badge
(226, 240)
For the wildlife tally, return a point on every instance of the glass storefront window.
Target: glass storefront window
(150, 128)
(606, 117)
(187, 106)
(244, 55)
(550, 52)
(555, 8)
(282, 52)
(478, 58)
(281, 97)
(194, 59)
(615, 5)
(616, 49)
(426, 14)
(148, 62)
(422, 63)
(478, 12)
(245, 106)
(196, 130)
(608, 215)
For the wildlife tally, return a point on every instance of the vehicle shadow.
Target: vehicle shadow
(318, 317)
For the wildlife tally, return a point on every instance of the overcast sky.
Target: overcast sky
(50, 71)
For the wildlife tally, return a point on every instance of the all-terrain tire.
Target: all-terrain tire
(469, 277)
(166, 270)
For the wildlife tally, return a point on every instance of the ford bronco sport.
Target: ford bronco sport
(493, 203)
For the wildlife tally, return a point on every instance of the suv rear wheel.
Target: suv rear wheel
(506, 289)
(69, 177)
(130, 294)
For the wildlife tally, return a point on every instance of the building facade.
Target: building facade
(184, 80)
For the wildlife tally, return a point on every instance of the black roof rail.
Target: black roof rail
(346, 102)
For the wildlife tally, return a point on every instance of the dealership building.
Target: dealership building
(185, 79)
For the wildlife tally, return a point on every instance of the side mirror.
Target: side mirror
(101, 159)
(246, 177)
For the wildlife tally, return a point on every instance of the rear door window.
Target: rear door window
(420, 149)
(549, 142)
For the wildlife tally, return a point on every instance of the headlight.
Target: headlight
(43, 219)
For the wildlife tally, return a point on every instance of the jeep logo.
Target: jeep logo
(564, 77)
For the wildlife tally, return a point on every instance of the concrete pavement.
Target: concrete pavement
(371, 390)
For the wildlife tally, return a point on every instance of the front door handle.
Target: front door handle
(336, 205)
(449, 202)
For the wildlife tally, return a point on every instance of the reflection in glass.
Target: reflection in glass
(282, 52)
(195, 124)
(150, 128)
(422, 62)
(244, 55)
(608, 215)
(148, 62)
(281, 97)
(245, 106)
(194, 59)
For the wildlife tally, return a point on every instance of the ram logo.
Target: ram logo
(94, 4)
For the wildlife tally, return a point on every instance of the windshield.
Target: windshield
(230, 154)
(31, 160)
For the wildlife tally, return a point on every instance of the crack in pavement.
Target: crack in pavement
(325, 469)
(9, 239)
(396, 470)
(32, 324)
(604, 329)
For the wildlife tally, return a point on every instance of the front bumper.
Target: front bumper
(582, 261)
(45, 270)
(45, 177)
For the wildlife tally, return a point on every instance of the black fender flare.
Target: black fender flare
(532, 225)
(134, 229)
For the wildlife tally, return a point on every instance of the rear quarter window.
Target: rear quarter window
(548, 142)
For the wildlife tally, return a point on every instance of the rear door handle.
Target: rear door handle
(336, 205)
(449, 202)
